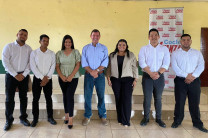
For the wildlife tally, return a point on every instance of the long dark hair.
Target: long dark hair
(116, 50)
(63, 42)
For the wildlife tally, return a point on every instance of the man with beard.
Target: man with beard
(188, 64)
(15, 59)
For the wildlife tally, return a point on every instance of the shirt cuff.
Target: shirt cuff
(13, 74)
(41, 77)
(185, 74)
(195, 75)
(143, 65)
(104, 65)
(25, 74)
(165, 67)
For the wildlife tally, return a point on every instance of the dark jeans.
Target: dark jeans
(36, 90)
(123, 89)
(193, 91)
(68, 90)
(154, 87)
(99, 83)
(11, 84)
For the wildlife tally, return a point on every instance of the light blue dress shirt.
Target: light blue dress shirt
(94, 56)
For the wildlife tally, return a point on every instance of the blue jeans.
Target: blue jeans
(99, 83)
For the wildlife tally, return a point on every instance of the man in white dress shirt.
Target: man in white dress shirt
(15, 59)
(42, 63)
(188, 64)
(154, 59)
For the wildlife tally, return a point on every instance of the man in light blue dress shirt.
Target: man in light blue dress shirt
(94, 60)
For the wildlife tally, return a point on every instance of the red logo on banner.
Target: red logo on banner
(166, 35)
(173, 47)
(153, 23)
(172, 17)
(166, 23)
(153, 12)
(178, 23)
(171, 29)
(159, 17)
(166, 81)
(166, 11)
(160, 29)
(179, 11)
(178, 35)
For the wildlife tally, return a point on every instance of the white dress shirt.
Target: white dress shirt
(154, 57)
(15, 58)
(42, 63)
(184, 62)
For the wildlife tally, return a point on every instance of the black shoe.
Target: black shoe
(25, 122)
(7, 126)
(175, 124)
(70, 126)
(144, 122)
(34, 123)
(52, 121)
(202, 128)
(66, 121)
(160, 123)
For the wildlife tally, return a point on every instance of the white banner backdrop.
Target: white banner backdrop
(169, 22)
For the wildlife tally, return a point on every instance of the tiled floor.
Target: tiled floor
(96, 130)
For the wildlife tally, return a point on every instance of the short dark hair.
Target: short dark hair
(63, 42)
(153, 30)
(44, 35)
(184, 35)
(95, 30)
(24, 30)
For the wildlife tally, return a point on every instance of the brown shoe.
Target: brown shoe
(104, 121)
(85, 121)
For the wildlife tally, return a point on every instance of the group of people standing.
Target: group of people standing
(121, 72)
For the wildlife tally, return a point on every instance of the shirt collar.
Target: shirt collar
(184, 50)
(42, 51)
(153, 46)
(15, 42)
(96, 44)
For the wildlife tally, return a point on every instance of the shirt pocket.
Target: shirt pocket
(101, 55)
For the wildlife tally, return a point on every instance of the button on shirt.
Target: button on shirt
(42, 63)
(184, 62)
(94, 56)
(154, 57)
(15, 58)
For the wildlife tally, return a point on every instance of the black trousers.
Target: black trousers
(36, 90)
(68, 90)
(154, 87)
(193, 91)
(123, 89)
(11, 84)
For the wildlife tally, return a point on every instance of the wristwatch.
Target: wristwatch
(98, 70)
(159, 73)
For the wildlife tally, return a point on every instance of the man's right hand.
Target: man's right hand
(154, 75)
(19, 77)
(94, 73)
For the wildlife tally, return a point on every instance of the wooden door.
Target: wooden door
(204, 50)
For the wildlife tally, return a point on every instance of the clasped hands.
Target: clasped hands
(189, 78)
(67, 79)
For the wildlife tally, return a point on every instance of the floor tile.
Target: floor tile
(125, 134)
